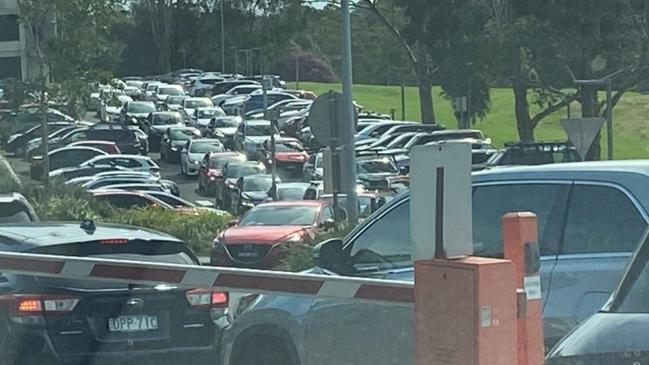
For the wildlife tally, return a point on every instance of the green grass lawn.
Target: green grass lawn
(631, 115)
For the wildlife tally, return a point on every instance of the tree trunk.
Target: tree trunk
(524, 123)
(589, 108)
(425, 88)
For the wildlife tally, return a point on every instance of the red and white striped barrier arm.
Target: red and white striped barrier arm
(219, 278)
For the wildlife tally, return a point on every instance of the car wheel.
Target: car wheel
(261, 350)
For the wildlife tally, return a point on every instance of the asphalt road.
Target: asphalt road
(188, 184)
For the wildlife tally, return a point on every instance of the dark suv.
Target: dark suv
(129, 139)
(82, 321)
(591, 217)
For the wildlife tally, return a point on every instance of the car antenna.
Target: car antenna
(88, 225)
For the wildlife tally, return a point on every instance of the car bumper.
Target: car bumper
(35, 341)
(275, 255)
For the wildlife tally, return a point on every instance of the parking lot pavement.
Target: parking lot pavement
(188, 184)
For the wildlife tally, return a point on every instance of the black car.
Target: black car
(226, 186)
(54, 320)
(250, 191)
(129, 140)
(534, 153)
(174, 140)
(17, 143)
(62, 158)
(158, 123)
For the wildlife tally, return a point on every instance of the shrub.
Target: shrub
(197, 230)
(63, 202)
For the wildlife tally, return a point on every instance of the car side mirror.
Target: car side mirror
(233, 223)
(330, 255)
(404, 170)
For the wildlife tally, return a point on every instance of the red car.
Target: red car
(210, 169)
(262, 237)
(290, 156)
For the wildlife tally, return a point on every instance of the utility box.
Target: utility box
(465, 312)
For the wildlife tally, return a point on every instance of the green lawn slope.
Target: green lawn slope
(630, 130)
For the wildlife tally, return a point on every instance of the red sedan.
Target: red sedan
(290, 156)
(262, 238)
(210, 169)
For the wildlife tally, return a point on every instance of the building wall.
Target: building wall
(9, 50)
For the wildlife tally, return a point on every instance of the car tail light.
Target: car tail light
(207, 298)
(26, 304)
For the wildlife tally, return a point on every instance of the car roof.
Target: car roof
(257, 176)
(121, 155)
(293, 185)
(81, 143)
(205, 140)
(295, 203)
(79, 148)
(54, 233)
(226, 154)
(632, 175)
(257, 122)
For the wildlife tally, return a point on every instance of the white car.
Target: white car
(237, 90)
(194, 152)
(113, 108)
(132, 162)
(203, 83)
(189, 105)
(165, 91)
(202, 116)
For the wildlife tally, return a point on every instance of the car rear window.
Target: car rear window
(149, 251)
(111, 134)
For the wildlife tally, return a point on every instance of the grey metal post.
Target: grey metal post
(222, 39)
(349, 158)
(273, 170)
(403, 99)
(297, 70)
(609, 119)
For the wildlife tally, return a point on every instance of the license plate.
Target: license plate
(248, 254)
(133, 323)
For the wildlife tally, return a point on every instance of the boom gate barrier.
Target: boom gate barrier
(468, 310)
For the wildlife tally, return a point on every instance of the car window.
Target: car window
(117, 135)
(595, 215)
(491, 202)
(326, 213)
(386, 241)
(125, 162)
(125, 201)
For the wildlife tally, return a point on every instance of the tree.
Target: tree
(417, 56)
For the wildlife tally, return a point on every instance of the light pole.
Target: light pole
(222, 39)
(348, 162)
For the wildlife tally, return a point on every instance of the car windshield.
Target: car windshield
(204, 147)
(140, 107)
(167, 119)
(226, 123)
(208, 113)
(257, 184)
(241, 171)
(384, 165)
(259, 130)
(291, 193)
(218, 162)
(280, 216)
(198, 103)
(175, 100)
(288, 146)
(170, 91)
(182, 134)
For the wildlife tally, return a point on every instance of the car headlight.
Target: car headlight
(196, 162)
(174, 148)
(247, 202)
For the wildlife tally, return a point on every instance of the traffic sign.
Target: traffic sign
(326, 117)
(582, 132)
(440, 200)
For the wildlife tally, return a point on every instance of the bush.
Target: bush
(197, 230)
(66, 203)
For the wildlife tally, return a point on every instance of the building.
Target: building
(17, 58)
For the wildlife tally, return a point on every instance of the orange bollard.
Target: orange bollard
(520, 234)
